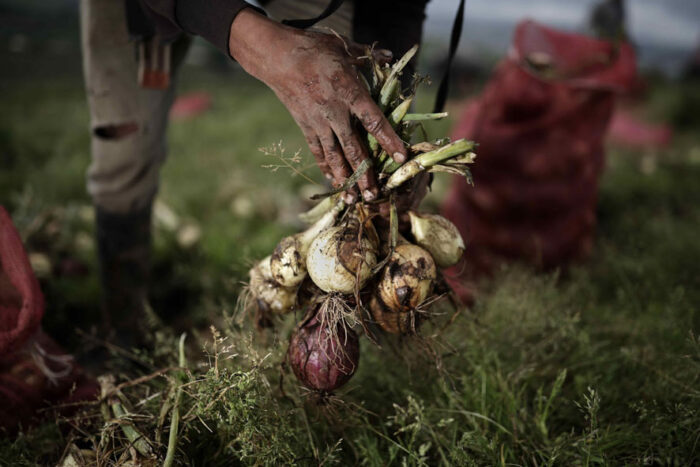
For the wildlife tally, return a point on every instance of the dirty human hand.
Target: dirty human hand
(314, 76)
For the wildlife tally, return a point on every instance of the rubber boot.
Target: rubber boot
(124, 248)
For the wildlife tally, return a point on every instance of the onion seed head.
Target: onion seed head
(439, 236)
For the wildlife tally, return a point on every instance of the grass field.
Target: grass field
(596, 366)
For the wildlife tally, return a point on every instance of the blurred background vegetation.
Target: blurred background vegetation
(596, 365)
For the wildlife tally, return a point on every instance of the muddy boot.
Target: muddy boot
(124, 247)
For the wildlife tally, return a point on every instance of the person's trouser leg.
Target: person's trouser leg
(128, 125)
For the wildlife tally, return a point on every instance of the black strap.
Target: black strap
(307, 23)
(454, 42)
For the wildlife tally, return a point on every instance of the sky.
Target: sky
(665, 30)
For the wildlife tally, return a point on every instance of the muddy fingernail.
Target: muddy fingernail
(368, 195)
(386, 53)
(398, 157)
(349, 198)
(328, 176)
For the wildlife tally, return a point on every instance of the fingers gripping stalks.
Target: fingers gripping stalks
(314, 75)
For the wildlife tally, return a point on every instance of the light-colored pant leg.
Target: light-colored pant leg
(123, 175)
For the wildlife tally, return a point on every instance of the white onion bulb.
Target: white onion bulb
(288, 261)
(267, 293)
(336, 256)
(439, 236)
(407, 279)
(287, 264)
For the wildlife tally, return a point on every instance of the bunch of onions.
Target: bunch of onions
(405, 283)
(337, 268)
(340, 260)
(439, 236)
(323, 359)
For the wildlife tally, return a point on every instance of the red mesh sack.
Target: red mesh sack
(21, 302)
(34, 371)
(540, 124)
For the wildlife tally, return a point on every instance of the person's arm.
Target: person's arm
(210, 19)
(313, 74)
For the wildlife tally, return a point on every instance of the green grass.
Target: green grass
(599, 365)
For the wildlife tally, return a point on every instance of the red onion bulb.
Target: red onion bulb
(323, 359)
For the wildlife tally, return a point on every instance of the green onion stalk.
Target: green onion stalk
(426, 160)
(413, 117)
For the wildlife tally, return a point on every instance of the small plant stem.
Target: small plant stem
(388, 93)
(388, 164)
(326, 221)
(399, 113)
(316, 212)
(164, 410)
(448, 151)
(308, 431)
(391, 85)
(175, 417)
(377, 78)
(395, 117)
(104, 409)
(373, 143)
(135, 438)
(411, 117)
(349, 182)
(110, 394)
(393, 223)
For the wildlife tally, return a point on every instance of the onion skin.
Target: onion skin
(323, 360)
(391, 321)
(335, 257)
(268, 294)
(439, 236)
(407, 279)
(288, 261)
